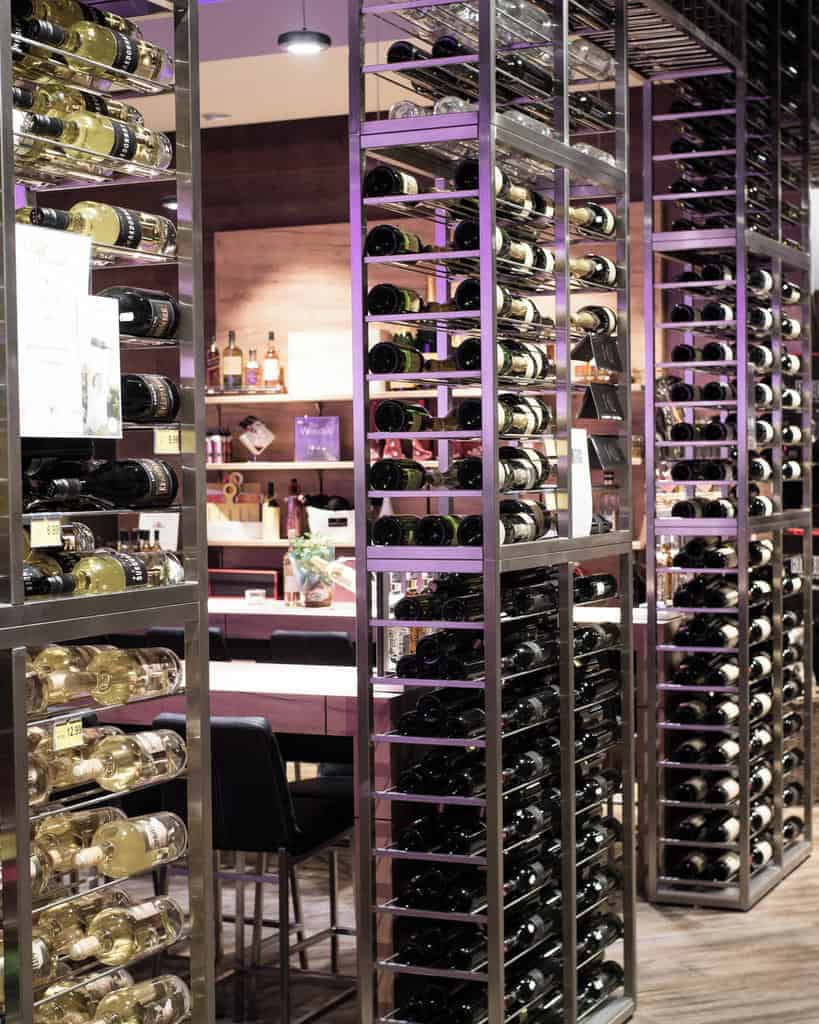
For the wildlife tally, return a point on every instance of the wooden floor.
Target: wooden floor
(695, 966)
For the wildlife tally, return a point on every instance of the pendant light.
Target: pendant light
(304, 42)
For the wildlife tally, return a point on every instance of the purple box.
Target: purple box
(317, 439)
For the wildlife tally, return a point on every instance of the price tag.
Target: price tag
(46, 533)
(167, 441)
(68, 735)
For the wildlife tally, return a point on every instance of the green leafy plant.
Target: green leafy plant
(304, 550)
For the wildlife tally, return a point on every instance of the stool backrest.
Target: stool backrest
(306, 647)
(252, 809)
(174, 638)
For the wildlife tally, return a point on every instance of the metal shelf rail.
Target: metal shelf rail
(759, 176)
(34, 624)
(499, 123)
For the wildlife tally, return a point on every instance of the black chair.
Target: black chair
(174, 638)
(256, 810)
(304, 647)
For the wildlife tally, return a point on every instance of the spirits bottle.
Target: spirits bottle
(148, 398)
(131, 845)
(214, 367)
(119, 934)
(107, 225)
(62, 100)
(271, 366)
(271, 514)
(166, 999)
(144, 313)
(72, 1004)
(118, 676)
(252, 370)
(121, 762)
(296, 517)
(117, 50)
(232, 364)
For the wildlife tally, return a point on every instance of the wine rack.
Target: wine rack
(728, 466)
(472, 811)
(29, 906)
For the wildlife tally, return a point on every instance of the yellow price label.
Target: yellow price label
(46, 533)
(68, 734)
(167, 441)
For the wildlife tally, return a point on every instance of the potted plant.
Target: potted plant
(311, 556)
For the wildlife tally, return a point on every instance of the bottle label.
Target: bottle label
(94, 104)
(150, 743)
(730, 830)
(130, 230)
(155, 832)
(764, 814)
(144, 912)
(232, 366)
(765, 702)
(729, 788)
(160, 395)
(409, 185)
(763, 852)
(729, 749)
(163, 319)
(126, 53)
(125, 142)
(134, 570)
(160, 477)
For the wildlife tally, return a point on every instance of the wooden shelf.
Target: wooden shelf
(275, 399)
(272, 467)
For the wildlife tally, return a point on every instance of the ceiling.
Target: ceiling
(245, 75)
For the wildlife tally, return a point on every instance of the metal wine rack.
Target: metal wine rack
(428, 146)
(27, 624)
(755, 235)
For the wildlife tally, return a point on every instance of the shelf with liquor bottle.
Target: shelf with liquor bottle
(729, 787)
(105, 531)
(504, 299)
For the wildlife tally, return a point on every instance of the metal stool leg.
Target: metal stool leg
(333, 892)
(239, 952)
(284, 935)
(296, 896)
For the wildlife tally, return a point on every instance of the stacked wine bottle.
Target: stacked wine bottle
(87, 580)
(491, 318)
(728, 407)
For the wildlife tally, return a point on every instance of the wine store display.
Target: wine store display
(728, 361)
(99, 541)
(498, 593)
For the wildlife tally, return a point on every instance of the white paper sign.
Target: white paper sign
(168, 525)
(582, 505)
(68, 352)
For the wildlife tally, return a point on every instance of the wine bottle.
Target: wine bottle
(516, 200)
(144, 313)
(148, 398)
(793, 828)
(72, 1003)
(59, 838)
(63, 100)
(388, 181)
(389, 240)
(509, 306)
(118, 935)
(107, 225)
(99, 134)
(121, 762)
(166, 998)
(130, 846)
(598, 270)
(389, 300)
(109, 572)
(38, 583)
(396, 356)
(592, 218)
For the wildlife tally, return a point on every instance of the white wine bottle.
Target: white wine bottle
(67, 12)
(59, 100)
(121, 762)
(60, 763)
(166, 999)
(59, 838)
(104, 136)
(59, 926)
(127, 847)
(43, 962)
(109, 572)
(117, 676)
(75, 1005)
(107, 225)
(55, 658)
(124, 53)
(116, 936)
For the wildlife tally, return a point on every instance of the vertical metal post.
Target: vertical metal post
(490, 510)
(568, 783)
(363, 867)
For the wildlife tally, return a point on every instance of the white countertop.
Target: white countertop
(238, 606)
(289, 680)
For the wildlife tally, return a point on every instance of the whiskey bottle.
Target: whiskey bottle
(131, 845)
(120, 934)
(121, 762)
(233, 368)
(148, 398)
(144, 313)
(107, 225)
